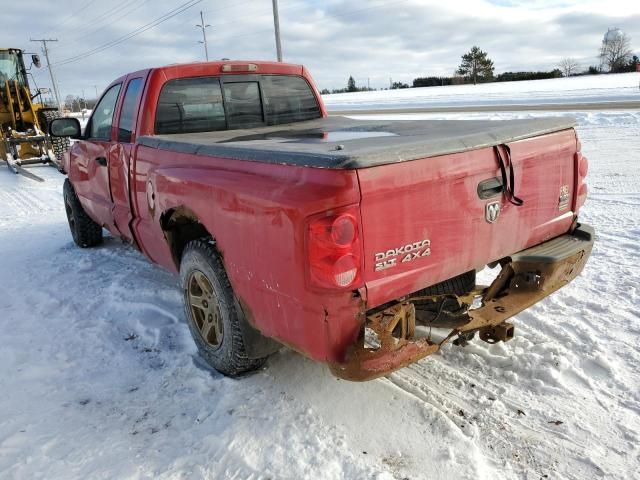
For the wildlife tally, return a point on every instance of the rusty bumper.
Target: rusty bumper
(525, 278)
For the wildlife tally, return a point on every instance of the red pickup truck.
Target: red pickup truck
(353, 242)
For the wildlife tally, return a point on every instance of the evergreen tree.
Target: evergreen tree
(476, 65)
(351, 85)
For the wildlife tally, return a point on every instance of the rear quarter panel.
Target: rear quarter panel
(256, 213)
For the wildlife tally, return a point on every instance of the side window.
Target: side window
(288, 99)
(125, 125)
(244, 107)
(189, 105)
(102, 118)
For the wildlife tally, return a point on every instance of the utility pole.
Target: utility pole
(276, 24)
(203, 26)
(96, 87)
(53, 79)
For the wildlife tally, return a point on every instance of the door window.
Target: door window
(189, 105)
(129, 104)
(102, 118)
(288, 99)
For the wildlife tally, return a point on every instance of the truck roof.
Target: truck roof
(344, 143)
(235, 67)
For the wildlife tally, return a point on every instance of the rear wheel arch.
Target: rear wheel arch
(180, 226)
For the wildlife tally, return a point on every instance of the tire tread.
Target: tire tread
(60, 144)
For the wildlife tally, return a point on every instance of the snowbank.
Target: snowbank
(100, 378)
(586, 89)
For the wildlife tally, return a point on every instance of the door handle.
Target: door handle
(490, 188)
(102, 161)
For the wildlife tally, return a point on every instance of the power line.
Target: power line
(90, 28)
(66, 20)
(163, 18)
(242, 16)
(325, 20)
(131, 34)
(191, 3)
(233, 4)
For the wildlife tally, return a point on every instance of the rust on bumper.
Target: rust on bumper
(525, 278)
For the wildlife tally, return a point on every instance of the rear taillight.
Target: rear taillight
(582, 168)
(334, 249)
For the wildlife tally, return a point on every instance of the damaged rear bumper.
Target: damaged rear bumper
(526, 278)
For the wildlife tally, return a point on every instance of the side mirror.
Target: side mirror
(65, 127)
(36, 60)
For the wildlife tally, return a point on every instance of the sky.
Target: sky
(374, 41)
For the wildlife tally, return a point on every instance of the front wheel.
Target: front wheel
(215, 322)
(59, 144)
(85, 232)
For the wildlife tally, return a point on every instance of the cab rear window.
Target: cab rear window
(243, 103)
(206, 104)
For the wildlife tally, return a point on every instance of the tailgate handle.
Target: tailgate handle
(490, 188)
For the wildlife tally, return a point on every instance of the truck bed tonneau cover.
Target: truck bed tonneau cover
(344, 143)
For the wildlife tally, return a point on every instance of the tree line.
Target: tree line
(475, 67)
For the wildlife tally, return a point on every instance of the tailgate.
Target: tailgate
(424, 221)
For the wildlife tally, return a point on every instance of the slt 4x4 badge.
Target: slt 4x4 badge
(409, 252)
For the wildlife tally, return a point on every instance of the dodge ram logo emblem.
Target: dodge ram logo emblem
(492, 211)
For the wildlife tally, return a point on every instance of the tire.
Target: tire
(215, 321)
(60, 145)
(85, 232)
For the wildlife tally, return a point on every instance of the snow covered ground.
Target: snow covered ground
(99, 377)
(587, 89)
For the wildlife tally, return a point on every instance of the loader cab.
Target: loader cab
(12, 67)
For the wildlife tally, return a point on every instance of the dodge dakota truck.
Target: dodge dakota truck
(353, 242)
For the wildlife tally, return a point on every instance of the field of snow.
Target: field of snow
(602, 89)
(100, 378)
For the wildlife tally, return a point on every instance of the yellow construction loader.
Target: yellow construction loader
(24, 137)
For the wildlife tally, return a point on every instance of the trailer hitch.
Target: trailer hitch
(497, 333)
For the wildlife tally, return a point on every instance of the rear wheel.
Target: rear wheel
(85, 232)
(214, 320)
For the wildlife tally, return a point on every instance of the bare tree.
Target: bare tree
(69, 101)
(569, 66)
(616, 51)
